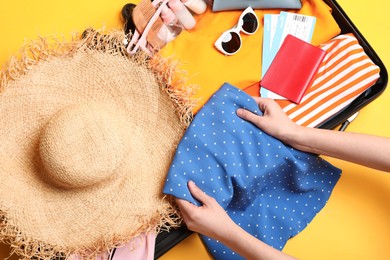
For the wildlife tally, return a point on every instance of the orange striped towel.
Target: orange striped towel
(344, 74)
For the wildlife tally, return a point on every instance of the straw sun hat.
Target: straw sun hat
(87, 135)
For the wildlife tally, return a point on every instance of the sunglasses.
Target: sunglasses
(229, 42)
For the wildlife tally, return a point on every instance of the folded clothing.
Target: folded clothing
(345, 73)
(271, 190)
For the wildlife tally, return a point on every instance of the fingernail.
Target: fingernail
(191, 183)
(239, 111)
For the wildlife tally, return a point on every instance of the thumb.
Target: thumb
(198, 193)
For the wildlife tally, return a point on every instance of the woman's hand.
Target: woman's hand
(368, 150)
(210, 219)
(273, 121)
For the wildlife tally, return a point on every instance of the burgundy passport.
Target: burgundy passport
(293, 69)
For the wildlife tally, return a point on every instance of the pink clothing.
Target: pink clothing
(139, 248)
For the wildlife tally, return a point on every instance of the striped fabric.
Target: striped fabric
(345, 73)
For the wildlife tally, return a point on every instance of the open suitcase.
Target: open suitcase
(166, 240)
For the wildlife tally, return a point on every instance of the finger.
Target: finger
(182, 202)
(260, 99)
(198, 193)
(184, 205)
(247, 115)
(263, 102)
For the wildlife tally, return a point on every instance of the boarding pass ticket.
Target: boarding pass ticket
(276, 28)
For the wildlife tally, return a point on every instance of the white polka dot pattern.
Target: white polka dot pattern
(271, 190)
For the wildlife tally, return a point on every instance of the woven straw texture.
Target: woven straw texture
(87, 135)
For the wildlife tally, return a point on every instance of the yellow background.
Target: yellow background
(355, 224)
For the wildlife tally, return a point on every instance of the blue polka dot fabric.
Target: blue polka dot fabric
(271, 190)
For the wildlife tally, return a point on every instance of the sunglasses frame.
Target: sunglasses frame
(237, 29)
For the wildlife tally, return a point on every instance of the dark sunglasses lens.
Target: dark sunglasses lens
(250, 23)
(231, 43)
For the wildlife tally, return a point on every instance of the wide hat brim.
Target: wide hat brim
(42, 217)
